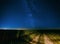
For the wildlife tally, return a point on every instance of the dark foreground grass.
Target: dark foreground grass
(27, 36)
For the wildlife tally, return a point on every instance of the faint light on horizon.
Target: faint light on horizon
(14, 28)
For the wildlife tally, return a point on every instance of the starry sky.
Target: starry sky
(30, 13)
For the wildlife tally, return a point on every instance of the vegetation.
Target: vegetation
(28, 37)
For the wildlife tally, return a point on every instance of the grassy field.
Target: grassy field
(30, 37)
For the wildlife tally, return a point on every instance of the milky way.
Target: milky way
(30, 14)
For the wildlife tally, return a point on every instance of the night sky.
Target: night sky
(29, 13)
